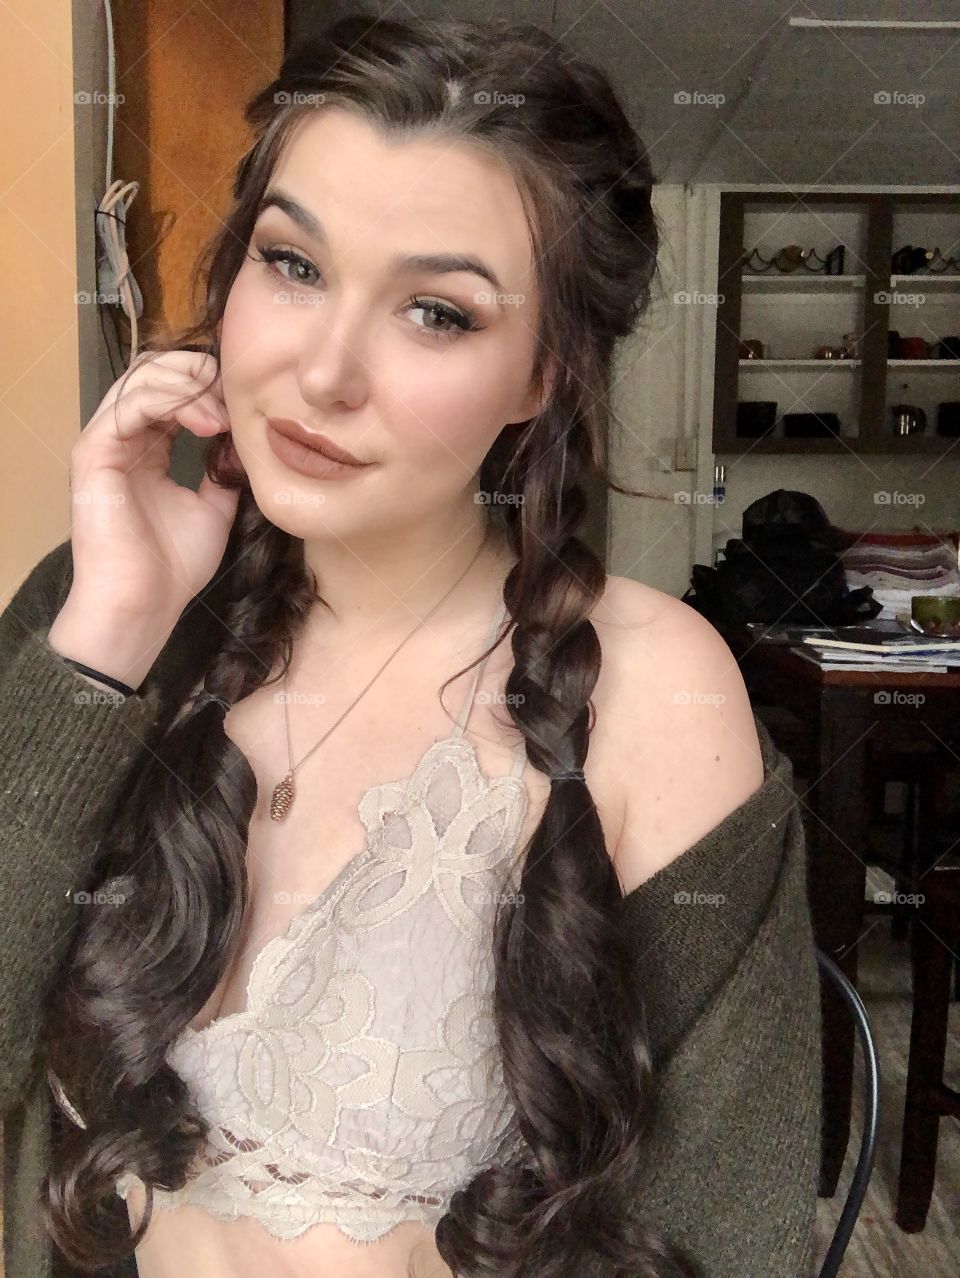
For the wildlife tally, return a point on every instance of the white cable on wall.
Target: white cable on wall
(116, 284)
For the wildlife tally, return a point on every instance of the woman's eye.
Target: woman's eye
(274, 257)
(439, 312)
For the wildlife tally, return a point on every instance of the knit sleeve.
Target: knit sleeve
(688, 923)
(724, 956)
(66, 752)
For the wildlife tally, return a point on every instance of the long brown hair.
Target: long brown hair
(569, 1016)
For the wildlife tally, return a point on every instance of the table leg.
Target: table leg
(837, 830)
(927, 1097)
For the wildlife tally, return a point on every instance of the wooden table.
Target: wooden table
(842, 715)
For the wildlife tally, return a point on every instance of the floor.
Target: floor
(878, 1248)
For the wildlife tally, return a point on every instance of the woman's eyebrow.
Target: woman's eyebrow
(429, 263)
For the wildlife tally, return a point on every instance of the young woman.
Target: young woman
(320, 1021)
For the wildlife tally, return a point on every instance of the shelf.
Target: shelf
(943, 281)
(813, 284)
(804, 311)
(903, 445)
(906, 445)
(812, 444)
(820, 363)
(940, 365)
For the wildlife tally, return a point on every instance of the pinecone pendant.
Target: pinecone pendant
(282, 798)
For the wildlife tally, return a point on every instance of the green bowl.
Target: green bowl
(936, 613)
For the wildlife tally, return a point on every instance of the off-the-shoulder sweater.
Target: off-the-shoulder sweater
(721, 935)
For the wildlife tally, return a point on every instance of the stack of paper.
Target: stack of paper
(885, 652)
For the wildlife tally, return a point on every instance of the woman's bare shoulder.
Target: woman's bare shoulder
(680, 748)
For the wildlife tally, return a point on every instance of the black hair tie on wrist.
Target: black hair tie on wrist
(96, 674)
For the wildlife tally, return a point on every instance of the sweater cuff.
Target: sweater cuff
(67, 747)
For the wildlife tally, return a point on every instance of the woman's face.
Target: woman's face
(327, 335)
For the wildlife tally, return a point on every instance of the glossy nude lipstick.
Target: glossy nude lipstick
(310, 453)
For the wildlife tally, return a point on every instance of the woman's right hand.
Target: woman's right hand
(142, 544)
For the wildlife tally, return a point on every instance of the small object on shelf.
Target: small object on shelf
(790, 257)
(948, 418)
(719, 483)
(756, 417)
(851, 345)
(908, 260)
(830, 352)
(893, 343)
(908, 419)
(914, 348)
(810, 425)
(834, 261)
(751, 348)
(946, 348)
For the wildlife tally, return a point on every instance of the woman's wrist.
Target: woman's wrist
(123, 648)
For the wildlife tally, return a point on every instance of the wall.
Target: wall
(179, 65)
(650, 536)
(39, 388)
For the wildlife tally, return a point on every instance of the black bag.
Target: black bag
(786, 568)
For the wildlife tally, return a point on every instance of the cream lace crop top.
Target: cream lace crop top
(361, 1084)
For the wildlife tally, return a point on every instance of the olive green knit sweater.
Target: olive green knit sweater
(731, 989)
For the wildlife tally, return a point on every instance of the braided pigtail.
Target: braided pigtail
(143, 968)
(570, 1017)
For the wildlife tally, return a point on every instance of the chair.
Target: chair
(871, 1111)
(925, 831)
(936, 936)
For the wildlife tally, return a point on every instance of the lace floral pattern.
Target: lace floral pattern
(361, 1084)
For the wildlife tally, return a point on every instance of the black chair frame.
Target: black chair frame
(871, 1111)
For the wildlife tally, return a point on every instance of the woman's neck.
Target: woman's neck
(376, 606)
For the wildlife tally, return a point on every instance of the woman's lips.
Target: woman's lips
(286, 439)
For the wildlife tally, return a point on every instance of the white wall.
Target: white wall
(650, 537)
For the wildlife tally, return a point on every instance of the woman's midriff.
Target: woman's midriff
(187, 1238)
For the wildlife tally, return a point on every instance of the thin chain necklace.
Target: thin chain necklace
(284, 793)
